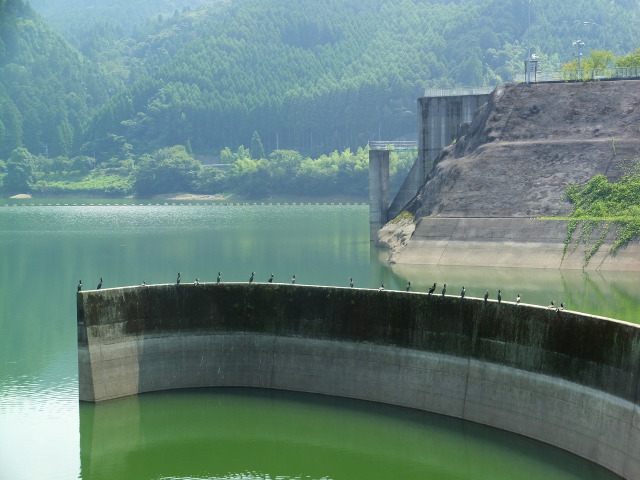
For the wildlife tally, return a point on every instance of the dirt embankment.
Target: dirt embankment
(526, 145)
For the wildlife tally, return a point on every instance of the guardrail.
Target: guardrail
(458, 91)
(393, 145)
(584, 74)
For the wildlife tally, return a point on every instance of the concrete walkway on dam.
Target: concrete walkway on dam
(567, 379)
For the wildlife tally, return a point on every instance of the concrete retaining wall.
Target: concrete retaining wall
(511, 242)
(566, 379)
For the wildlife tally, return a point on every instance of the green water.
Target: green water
(234, 434)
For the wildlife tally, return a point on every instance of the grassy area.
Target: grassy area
(92, 184)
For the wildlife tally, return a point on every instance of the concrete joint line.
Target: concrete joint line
(447, 244)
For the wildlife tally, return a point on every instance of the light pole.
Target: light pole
(529, 29)
(584, 23)
(579, 44)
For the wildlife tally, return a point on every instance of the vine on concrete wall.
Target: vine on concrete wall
(601, 204)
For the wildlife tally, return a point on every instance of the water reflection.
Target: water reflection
(228, 434)
(609, 294)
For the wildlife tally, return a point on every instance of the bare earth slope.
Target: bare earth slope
(522, 150)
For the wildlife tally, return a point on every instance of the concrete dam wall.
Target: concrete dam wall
(567, 379)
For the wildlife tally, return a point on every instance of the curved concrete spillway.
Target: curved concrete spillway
(567, 379)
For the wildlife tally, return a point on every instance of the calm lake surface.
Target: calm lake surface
(238, 434)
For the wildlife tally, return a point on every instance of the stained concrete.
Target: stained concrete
(564, 378)
(505, 242)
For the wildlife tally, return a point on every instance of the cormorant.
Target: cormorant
(561, 306)
(219, 277)
(270, 279)
(251, 277)
(486, 296)
(99, 285)
(518, 300)
(444, 289)
(432, 289)
(178, 279)
(462, 292)
(381, 287)
(79, 285)
(499, 297)
(552, 304)
(197, 282)
(351, 282)
(408, 287)
(144, 283)
(293, 279)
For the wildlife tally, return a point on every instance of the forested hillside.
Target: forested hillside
(119, 79)
(316, 77)
(48, 91)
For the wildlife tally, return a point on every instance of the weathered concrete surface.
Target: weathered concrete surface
(567, 379)
(378, 190)
(520, 153)
(503, 242)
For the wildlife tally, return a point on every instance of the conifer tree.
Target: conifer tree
(257, 150)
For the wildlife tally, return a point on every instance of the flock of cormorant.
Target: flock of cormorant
(430, 291)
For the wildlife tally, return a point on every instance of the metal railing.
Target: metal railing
(458, 91)
(393, 145)
(585, 74)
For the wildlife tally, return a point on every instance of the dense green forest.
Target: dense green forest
(105, 85)
(247, 172)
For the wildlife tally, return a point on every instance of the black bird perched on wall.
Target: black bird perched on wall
(270, 279)
(462, 292)
(408, 287)
(518, 300)
(99, 285)
(178, 279)
(432, 289)
(79, 285)
(499, 297)
(293, 279)
(351, 282)
(561, 306)
(552, 304)
(444, 289)
(251, 277)
(486, 296)
(197, 282)
(144, 283)
(219, 277)
(381, 287)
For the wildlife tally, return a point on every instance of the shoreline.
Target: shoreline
(180, 198)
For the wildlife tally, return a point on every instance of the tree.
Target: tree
(257, 150)
(20, 171)
(629, 61)
(167, 170)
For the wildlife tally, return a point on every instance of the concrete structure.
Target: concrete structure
(513, 165)
(378, 190)
(441, 115)
(563, 378)
(511, 242)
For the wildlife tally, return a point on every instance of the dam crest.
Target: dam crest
(564, 378)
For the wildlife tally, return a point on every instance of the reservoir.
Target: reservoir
(238, 434)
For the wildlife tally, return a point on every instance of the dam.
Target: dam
(567, 379)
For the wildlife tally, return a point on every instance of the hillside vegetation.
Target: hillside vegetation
(131, 79)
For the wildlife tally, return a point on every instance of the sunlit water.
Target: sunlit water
(237, 434)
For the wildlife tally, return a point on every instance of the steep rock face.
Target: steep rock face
(528, 143)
